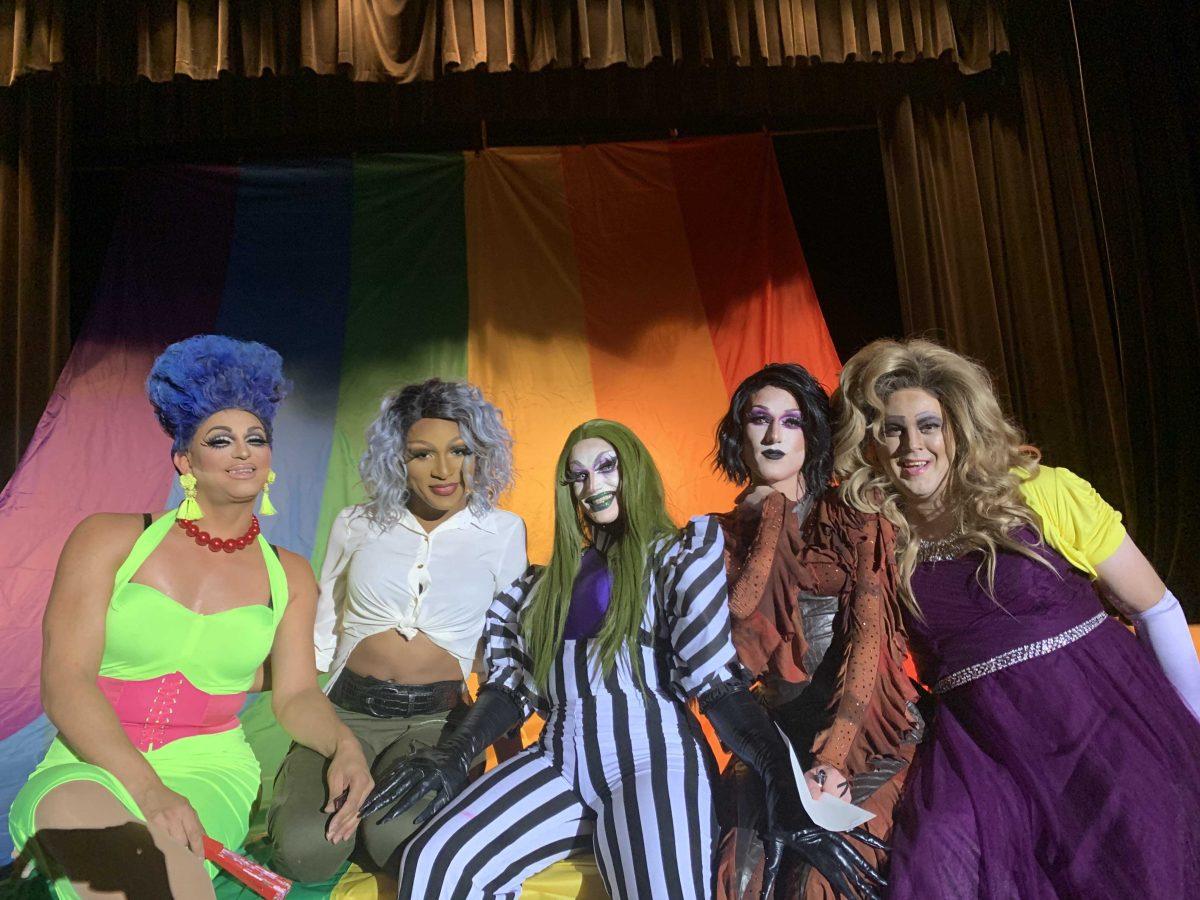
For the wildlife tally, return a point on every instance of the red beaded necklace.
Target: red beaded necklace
(216, 545)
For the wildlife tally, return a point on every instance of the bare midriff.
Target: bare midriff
(390, 656)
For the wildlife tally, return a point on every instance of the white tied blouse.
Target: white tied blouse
(440, 582)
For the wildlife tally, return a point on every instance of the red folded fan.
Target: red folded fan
(258, 878)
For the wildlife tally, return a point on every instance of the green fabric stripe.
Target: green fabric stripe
(407, 319)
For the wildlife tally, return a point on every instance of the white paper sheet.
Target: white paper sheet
(829, 812)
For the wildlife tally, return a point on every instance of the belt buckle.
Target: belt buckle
(399, 705)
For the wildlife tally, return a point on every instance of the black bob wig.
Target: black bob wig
(813, 403)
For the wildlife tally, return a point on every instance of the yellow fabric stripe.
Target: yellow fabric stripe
(526, 344)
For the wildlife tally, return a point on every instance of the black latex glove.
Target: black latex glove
(746, 729)
(443, 770)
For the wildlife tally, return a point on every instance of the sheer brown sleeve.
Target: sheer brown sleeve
(754, 574)
(870, 703)
(762, 574)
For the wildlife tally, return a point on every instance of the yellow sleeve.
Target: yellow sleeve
(1076, 520)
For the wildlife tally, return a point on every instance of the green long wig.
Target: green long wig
(642, 520)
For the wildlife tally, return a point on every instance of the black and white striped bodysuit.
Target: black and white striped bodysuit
(621, 767)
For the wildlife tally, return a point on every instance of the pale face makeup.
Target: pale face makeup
(230, 455)
(918, 448)
(773, 445)
(593, 472)
(441, 468)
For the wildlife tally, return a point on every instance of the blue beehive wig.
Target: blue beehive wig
(201, 375)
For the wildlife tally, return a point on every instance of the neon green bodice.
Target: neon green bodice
(148, 634)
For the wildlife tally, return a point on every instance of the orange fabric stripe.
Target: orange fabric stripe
(526, 344)
(651, 352)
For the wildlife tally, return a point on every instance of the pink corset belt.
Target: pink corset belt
(157, 711)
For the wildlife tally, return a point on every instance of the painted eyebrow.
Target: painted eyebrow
(605, 456)
(786, 412)
(224, 429)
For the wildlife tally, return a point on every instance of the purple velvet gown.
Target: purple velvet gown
(1071, 774)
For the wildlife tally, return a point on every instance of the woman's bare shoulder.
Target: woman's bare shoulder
(106, 531)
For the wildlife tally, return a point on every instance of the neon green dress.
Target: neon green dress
(149, 635)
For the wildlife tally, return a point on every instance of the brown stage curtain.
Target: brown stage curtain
(410, 40)
(31, 37)
(996, 255)
(1001, 251)
(34, 317)
(1142, 78)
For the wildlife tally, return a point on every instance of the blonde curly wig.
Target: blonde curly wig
(987, 452)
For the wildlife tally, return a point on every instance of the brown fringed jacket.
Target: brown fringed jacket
(777, 567)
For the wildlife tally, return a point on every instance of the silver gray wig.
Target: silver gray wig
(384, 468)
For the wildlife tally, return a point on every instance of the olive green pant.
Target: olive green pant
(296, 821)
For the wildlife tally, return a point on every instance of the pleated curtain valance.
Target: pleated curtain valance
(419, 40)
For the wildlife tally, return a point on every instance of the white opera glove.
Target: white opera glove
(1164, 630)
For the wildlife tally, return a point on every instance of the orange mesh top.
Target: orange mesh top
(841, 552)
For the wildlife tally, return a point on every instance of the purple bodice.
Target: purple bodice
(963, 626)
(589, 597)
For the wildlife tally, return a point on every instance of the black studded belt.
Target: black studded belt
(388, 700)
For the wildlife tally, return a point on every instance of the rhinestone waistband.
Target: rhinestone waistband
(1018, 655)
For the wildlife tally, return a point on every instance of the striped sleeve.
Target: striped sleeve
(696, 609)
(508, 665)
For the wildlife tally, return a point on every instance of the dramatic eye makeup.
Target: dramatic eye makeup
(420, 451)
(926, 423)
(929, 423)
(761, 416)
(605, 465)
(220, 436)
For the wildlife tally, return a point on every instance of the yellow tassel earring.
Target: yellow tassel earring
(268, 508)
(189, 509)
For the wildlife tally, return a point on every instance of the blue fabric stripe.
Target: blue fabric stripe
(288, 286)
(21, 752)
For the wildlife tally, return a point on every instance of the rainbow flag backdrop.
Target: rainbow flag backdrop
(638, 282)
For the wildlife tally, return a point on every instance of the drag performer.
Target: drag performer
(155, 630)
(1062, 756)
(407, 580)
(626, 623)
(813, 613)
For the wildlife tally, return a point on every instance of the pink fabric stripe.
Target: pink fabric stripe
(157, 711)
(160, 285)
